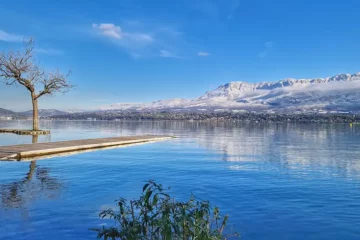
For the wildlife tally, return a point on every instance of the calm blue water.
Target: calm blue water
(276, 181)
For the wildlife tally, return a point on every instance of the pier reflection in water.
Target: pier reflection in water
(36, 183)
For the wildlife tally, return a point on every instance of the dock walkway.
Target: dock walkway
(24, 151)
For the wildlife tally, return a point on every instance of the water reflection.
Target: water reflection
(285, 178)
(36, 184)
(331, 148)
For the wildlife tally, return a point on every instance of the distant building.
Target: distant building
(323, 112)
(6, 118)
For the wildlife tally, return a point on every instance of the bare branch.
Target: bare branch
(55, 82)
(20, 68)
(15, 65)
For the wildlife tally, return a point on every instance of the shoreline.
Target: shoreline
(215, 117)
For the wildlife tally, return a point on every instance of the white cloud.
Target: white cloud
(115, 32)
(108, 30)
(140, 37)
(135, 43)
(203, 54)
(49, 51)
(168, 54)
(268, 47)
(8, 37)
(325, 87)
(142, 40)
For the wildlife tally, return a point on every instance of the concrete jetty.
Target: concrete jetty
(36, 150)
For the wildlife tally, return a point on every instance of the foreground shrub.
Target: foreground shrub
(155, 215)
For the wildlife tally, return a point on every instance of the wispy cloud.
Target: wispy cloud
(207, 8)
(169, 31)
(268, 47)
(269, 44)
(217, 10)
(48, 51)
(135, 55)
(167, 54)
(234, 5)
(142, 40)
(115, 32)
(109, 30)
(134, 42)
(203, 54)
(8, 37)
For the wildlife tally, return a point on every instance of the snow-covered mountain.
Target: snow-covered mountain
(161, 104)
(340, 92)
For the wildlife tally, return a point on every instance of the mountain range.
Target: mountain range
(5, 112)
(337, 93)
(42, 113)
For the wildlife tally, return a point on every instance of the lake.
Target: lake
(276, 181)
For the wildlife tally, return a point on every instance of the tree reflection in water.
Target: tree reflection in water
(36, 184)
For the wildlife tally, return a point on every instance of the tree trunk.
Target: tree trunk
(35, 112)
(31, 170)
(35, 138)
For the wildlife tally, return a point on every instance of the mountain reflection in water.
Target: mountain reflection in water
(325, 146)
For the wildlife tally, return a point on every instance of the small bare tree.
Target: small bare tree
(19, 68)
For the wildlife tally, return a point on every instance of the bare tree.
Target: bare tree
(19, 68)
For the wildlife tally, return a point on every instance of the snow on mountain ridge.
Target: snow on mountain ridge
(174, 102)
(233, 90)
(342, 89)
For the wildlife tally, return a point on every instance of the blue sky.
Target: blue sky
(141, 51)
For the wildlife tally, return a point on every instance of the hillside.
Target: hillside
(338, 93)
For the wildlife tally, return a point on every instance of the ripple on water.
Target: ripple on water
(276, 181)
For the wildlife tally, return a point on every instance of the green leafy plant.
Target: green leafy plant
(155, 215)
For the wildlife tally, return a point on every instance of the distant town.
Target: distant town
(215, 116)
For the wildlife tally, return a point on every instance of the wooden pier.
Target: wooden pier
(36, 150)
